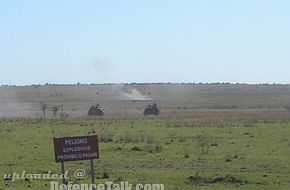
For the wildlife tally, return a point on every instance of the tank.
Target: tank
(151, 109)
(96, 110)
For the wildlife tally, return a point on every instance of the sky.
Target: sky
(111, 41)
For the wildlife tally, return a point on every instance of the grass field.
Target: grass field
(180, 153)
(208, 136)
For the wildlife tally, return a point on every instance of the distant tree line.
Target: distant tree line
(157, 83)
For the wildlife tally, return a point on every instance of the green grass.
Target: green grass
(258, 154)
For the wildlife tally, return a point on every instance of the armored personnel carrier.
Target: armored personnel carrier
(96, 110)
(151, 109)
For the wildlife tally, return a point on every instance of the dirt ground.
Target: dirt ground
(216, 101)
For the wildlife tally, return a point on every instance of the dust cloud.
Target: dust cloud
(134, 94)
(12, 105)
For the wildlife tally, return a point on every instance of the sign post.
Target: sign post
(75, 149)
(93, 173)
(63, 172)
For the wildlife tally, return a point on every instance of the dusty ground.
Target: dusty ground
(217, 101)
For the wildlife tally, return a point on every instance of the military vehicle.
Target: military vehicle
(151, 109)
(96, 110)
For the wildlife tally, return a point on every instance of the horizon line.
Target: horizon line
(144, 83)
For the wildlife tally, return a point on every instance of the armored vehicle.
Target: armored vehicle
(96, 110)
(151, 109)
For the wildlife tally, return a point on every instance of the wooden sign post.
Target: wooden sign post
(63, 172)
(93, 173)
(76, 148)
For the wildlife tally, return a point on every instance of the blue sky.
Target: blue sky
(98, 41)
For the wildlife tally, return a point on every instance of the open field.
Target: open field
(128, 101)
(206, 137)
(183, 154)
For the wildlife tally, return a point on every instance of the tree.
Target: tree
(287, 107)
(43, 107)
(54, 110)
